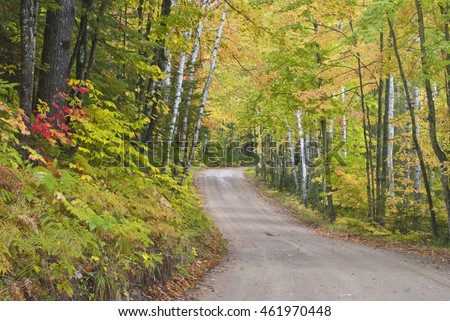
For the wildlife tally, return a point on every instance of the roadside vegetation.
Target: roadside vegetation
(348, 228)
(91, 206)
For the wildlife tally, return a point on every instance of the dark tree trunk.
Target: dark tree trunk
(28, 19)
(56, 53)
(414, 134)
(83, 57)
(380, 136)
(432, 112)
(81, 54)
(155, 88)
(384, 157)
(366, 142)
(444, 12)
(326, 139)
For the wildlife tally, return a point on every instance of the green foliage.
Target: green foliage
(92, 225)
(11, 124)
(355, 227)
(81, 240)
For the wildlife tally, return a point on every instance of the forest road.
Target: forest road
(272, 257)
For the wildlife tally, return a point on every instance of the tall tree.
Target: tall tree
(205, 94)
(291, 148)
(160, 59)
(303, 159)
(328, 189)
(28, 18)
(191, 88)
(175, 109)
(83, 55)
(379, 154)
(442, 157)
(56, 53)
(417, 145)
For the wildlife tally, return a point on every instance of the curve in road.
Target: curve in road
(271, 257)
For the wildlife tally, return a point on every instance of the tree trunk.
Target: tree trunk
(263, 154)
(56, 54)
(444, 12)
(379, 154)
(391, 134)
(175, 108)
(386, 141)
(327, 171)
(282, 166)
(205, 96)
(303, 159)
(80, 52)
(417, 171)
(366, 142)
(292, 158)
(442, 157)
(344, 125)
(28, 18)
(167, 82)
(414, 133)
(190, 93)
(155, 87)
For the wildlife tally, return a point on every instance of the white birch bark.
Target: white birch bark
(205, 94)
(390, 151)
(435, 90)
(192, 68)
(292, 157)
(330, 131)
(344, 124)
(168, 80)
(307, 147)
(303, 159)
(175, 109)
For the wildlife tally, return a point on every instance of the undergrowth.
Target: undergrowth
(348, 226)
(72, 238)
(82, 220)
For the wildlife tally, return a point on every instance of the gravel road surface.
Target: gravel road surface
(271, 257)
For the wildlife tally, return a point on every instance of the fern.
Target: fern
(46, 179)
(7, 197)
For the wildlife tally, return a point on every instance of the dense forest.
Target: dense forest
(94, 205)
(346, 105)
(106, 107)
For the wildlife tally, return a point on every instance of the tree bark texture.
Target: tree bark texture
(56, 54)
(28, 18)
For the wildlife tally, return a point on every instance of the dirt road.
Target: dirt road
(271, 257)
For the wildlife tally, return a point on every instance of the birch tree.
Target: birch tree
(292, 157)
(303, 159)
(191, 77)
(175, 109)
(205, 95)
